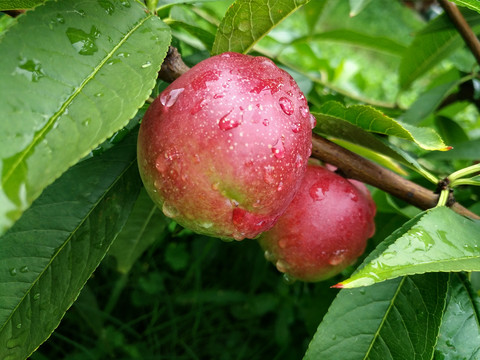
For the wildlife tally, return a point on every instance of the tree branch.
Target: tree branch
(462, 26)
(359, 168)
(351, 164)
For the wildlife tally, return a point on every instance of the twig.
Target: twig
(359, 168)
(462, 26)
(351, 164)
(173, 66)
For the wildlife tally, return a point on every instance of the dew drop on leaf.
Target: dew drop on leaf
(107, 6)
(13, 271)
(146, 64)
(244, 25)
(82, 42)
(31, 69)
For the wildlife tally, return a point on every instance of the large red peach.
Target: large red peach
(223, 149)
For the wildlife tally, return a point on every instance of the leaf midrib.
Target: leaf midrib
(67, 240)
(55, 116)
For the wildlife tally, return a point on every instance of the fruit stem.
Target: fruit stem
(443, 198)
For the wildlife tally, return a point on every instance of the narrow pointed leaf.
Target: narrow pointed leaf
(434, 43)
(145, 225)
(49, 254)
(367, 41)
(471, 4)
(72, 74)
(397, 319)
(436, 240)
(374, 121)
(356, 6)
(247, 21)
(460, 331)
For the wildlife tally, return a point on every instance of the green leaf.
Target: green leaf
(468, 150)
(436, 240)
(356, 6)
(356, 38)
(204, 36)
(49, 254)
(460, 331)
(397, 319)
(471, 4)
(372, 120)
(247, 21)
(145, 225)
(19, 4)
(427, 102)
(434, 43)
(74, 73)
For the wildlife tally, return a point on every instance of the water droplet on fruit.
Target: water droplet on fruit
(304, 111)
(225, 55)
(337, 258)
(280, 186)
(206, 225)
(299, 161)
(198, 106)
(282, 243)
(281, 266)
(218, 96)
(317, 191)
(269, 256)
(228, 122)
(215, 186)
(296, 127)
(286, 105)
(313, 121)
(265, 122)
(168, 99)
(278, 149)
(268, 174)
(169, 210)
(13, 271)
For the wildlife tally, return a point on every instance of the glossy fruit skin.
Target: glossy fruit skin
(324, 229)
(223, 149)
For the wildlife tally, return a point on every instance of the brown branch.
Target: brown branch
(359, 168)
(351, 164)
(463, 28)
(173, 66)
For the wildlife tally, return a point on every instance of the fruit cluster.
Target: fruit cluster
(224, 151)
